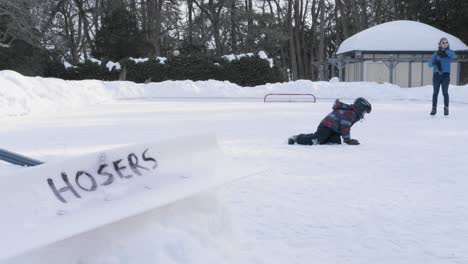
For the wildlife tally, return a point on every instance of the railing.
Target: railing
(18, 159)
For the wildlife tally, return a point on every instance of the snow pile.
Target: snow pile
(402, 35)
(20, 95)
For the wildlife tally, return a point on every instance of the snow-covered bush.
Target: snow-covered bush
(245, 71)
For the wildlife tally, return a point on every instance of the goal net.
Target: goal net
(289, 97)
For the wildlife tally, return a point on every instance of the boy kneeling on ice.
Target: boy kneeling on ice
(337, 123)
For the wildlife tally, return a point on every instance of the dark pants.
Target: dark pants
(324, 135)
(437, 81)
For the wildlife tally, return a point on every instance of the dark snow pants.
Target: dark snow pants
(323, 135)
(437, 81)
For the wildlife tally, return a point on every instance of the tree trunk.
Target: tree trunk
(378, 11)
(154, 9)
(82, 14)
(321, 51)
(213, 12)
(297, 41)
(52, 15)
(233, 27)
(343, 19)
(250, 36)
(190, 25)
(292, 47)
(364, 16)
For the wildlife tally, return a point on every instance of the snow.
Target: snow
(401, 35)
(43, 216)
(67, 65)
(110, 65)
(399, 197)
(21, 95)
(95, 61)
(261, 54)
(162, 60)
(264, 56)
(139, 60)
(232, 57)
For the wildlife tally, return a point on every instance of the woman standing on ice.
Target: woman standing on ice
(440, 61)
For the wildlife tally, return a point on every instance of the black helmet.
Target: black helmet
(363, 105)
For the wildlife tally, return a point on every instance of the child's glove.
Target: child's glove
(350, 141)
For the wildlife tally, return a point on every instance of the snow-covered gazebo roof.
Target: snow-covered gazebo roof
(399, 36)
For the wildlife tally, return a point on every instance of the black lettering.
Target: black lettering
(90, 177)
(150, 159)
(68, 187)
(110, 178)
(133, 161)
(119, 169)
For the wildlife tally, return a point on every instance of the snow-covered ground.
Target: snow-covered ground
(399, 197)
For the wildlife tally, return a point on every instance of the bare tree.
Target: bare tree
(292, 45)
(153, 18)
(250, 13)
(86, 26)
(72, 30)
(213, 13)
(234, 26)
(17, 22)
(321, 51)
(190, 24)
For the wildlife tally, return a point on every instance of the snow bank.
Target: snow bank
(21, 95)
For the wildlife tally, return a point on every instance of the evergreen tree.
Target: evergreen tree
(119, 36)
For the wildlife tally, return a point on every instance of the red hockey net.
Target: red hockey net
(289, 97)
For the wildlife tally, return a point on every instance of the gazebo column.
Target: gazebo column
(338, 63)
(410, 72)
(391, 64)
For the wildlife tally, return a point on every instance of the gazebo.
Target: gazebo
(397, 52)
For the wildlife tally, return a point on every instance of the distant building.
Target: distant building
(397, 52)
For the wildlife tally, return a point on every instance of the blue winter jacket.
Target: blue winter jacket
(444, 62)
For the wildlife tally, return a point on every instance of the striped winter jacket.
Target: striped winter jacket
(342, 118)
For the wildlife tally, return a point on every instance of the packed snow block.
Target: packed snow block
(54, 201)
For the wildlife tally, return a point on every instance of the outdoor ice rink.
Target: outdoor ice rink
(399, 197)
